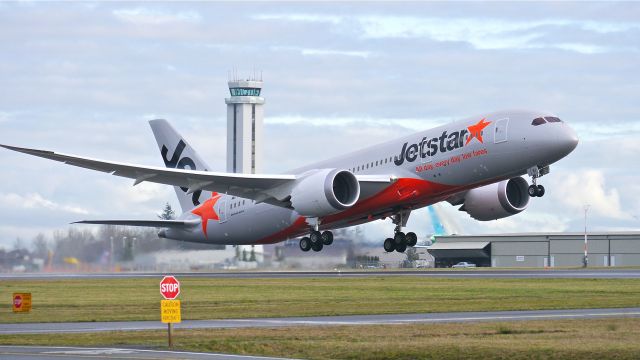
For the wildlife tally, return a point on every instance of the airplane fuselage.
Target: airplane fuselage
(428, 167)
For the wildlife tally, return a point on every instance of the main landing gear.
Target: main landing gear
(535, 172)
(400, 240)
(316, 240)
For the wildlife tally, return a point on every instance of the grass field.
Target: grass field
(557, 339)
(139, 299)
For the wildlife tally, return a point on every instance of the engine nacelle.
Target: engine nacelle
(498, 200)
(325, 192)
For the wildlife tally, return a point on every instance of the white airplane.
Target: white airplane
(477, 163)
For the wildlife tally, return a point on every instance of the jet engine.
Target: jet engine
(498, 200)
(325, 192)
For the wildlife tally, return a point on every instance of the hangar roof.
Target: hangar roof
(462, 245)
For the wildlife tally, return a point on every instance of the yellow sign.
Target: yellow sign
(170, 311)
(21, 302)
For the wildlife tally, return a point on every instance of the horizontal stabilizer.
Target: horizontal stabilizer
(176, 224)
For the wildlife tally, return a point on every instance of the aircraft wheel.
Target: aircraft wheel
(389, 245)
(315, 237)
(401, 248)
(305, 244)
(412, 239)
(327, 237)
(533, 191)
(317, 246)
(400, 238)
(540, 191)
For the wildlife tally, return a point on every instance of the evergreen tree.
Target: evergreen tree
(167, 213)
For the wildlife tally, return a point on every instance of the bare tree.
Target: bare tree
(40, 246)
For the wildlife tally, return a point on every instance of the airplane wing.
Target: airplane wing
(261, 188)
(178, 224)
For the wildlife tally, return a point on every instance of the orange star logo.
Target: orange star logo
(475, 131)
(207, 211)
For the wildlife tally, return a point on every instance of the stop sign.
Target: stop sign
(169, 287)
(17, 301)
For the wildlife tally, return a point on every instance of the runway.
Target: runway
(59, 352)
(395, 319)
(466, 273)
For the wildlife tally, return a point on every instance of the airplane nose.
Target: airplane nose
(569, 139)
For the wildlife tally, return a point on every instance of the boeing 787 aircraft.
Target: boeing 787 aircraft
(476, 163)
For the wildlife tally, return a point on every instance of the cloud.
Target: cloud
(36, 201)
(587, 187)
(324, 52)
(147, 16)
(358, 122)
(607, 130)
(309, 18)
(527, 221)
(479, 32)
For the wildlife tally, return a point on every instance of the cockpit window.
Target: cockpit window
(538, 121)
(552, 119)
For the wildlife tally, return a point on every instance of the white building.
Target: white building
(245, 117)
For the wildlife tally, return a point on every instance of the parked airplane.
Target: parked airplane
(477, 163)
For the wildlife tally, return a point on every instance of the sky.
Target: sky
(84, 78)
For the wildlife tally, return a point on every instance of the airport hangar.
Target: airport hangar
(538, 249)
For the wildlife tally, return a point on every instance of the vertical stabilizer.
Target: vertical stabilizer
(443, 224)
(178, 154)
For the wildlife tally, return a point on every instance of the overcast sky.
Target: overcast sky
(84, 78)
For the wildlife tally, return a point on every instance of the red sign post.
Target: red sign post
(170, 308)
(169, 287)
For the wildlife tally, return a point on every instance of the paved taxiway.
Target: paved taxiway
(41, 352)
(470, 273)
(85, 327)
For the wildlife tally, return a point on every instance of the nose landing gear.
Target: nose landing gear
(535, 172)
(536, 190)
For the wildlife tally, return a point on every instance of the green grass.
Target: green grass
(139, 299)
(556, 339)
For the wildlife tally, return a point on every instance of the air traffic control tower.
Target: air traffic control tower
(245, 116)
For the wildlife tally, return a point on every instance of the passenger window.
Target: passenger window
(538, 121)
(553, 119)
(376, 162)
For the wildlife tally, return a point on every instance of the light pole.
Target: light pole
(586, 257)
(111, 253)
